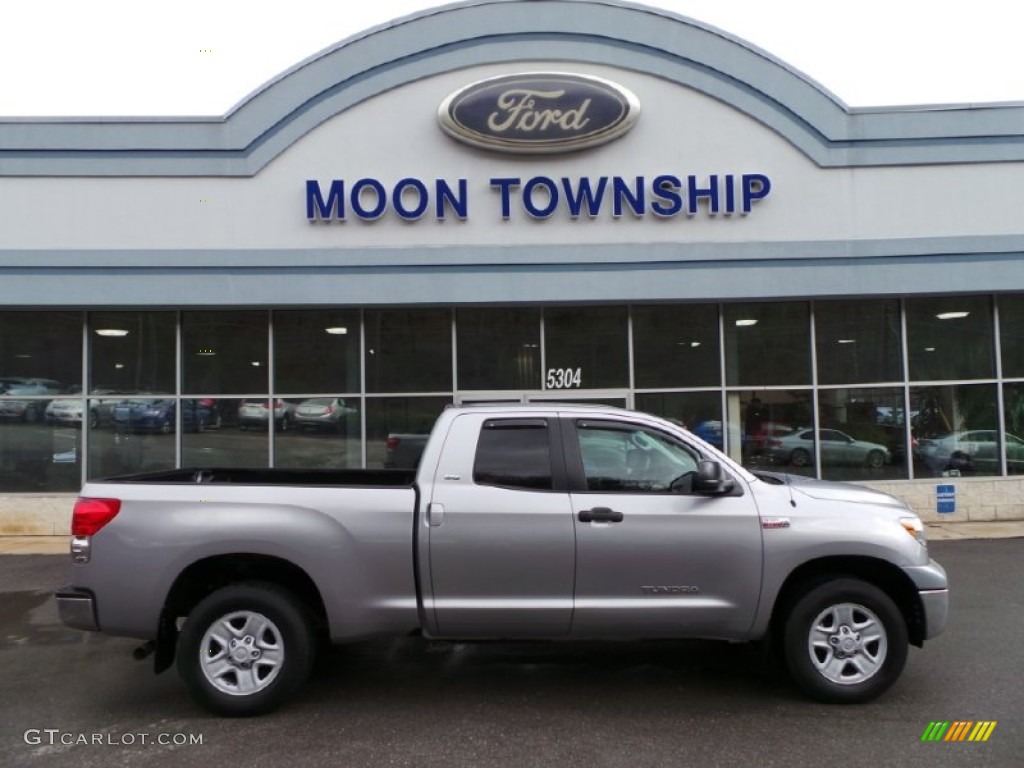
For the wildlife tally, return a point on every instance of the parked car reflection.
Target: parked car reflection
(26, 410)
(975, 450)
(159, 416)
(837, 448)
(256, 414)
(327, 413)
(67, 411)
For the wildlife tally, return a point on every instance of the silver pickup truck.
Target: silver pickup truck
(553, 522)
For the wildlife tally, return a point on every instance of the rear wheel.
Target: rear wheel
(845, 641)
(245, 648)
(800, 458)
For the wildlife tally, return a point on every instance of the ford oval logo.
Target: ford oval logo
(539, 112)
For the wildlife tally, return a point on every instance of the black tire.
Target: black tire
(845, 641)
(800, 458)
(272, 640)
(876, 459)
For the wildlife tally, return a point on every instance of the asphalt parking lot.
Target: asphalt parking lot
(78, 699)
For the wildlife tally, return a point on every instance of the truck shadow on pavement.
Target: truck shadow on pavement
(566, 672)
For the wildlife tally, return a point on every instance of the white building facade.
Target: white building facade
(503, 200)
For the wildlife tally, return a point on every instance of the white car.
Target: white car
(26, 410)
(977, 450)
(328, 413)
(837, 448)
(256, 414)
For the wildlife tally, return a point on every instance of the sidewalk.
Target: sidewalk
(1004, 529)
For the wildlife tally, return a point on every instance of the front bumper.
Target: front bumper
(77, 608)
(933, 589)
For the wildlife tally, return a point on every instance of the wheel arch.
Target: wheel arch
(889, 578)
(209, 574)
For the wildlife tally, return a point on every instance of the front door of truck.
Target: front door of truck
(499, 532)
(651, 553)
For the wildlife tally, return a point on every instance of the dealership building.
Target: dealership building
(571, 200)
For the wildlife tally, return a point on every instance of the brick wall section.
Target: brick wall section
(34, 515)
(977, 500)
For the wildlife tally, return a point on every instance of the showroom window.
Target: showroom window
(586, 348)
(950, 338)
(224, 353)
(346, 388)
(956, 430)
(1013, 415)
(40, 364)
(316, 351)
(699, 412)
(397, 429)
(767, 344)
(676, 346)
(1011, 335)
(408, 350)
(862, 433)
(132, 353)
(758, 422)
(498, 348)
(858, 341)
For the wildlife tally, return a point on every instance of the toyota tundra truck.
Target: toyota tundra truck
(552, 522)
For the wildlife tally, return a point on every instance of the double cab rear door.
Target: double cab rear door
(546, 527)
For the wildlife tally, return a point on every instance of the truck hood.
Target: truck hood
(829, 490)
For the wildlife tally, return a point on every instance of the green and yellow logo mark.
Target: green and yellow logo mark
(959, 730)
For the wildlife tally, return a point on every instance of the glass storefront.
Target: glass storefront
(809, 387)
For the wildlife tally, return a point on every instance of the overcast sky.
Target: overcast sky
(201, 57)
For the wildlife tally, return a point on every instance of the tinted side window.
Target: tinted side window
(514, 454)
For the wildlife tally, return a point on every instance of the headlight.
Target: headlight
(915, 528)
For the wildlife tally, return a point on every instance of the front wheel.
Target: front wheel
(244, 649)
(845, 641)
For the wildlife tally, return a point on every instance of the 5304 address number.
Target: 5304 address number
(564, 378)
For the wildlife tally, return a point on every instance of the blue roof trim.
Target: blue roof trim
(495, 31)
(504, 284)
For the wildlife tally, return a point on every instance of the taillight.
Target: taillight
(92, 514)
(393, 443)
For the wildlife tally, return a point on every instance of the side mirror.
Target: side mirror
(711, 479)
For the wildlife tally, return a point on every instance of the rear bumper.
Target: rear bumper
(77, 608)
